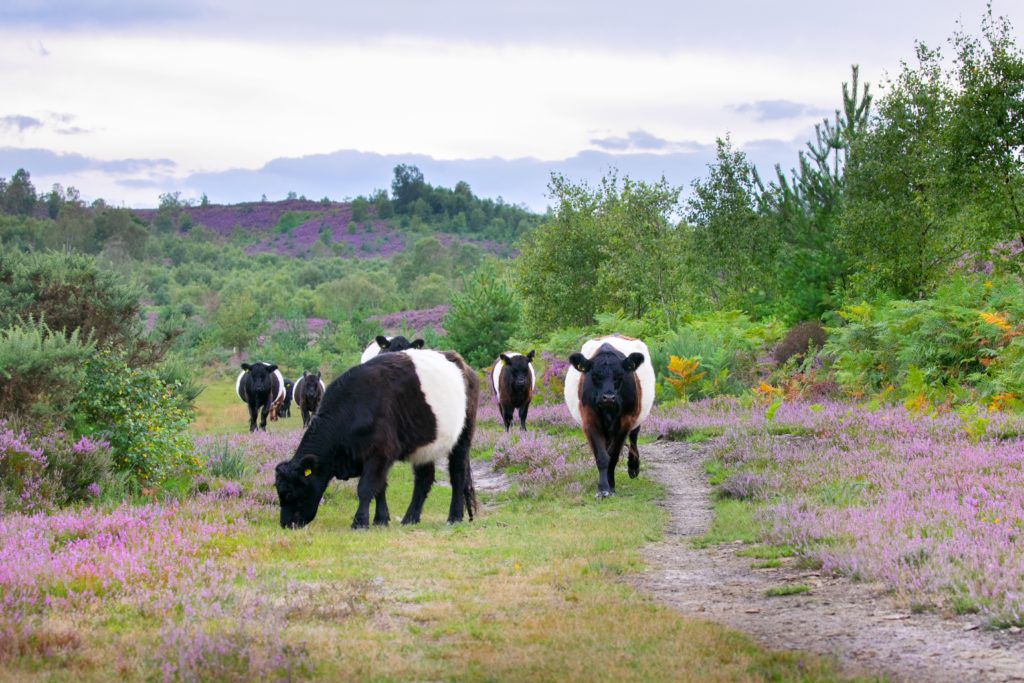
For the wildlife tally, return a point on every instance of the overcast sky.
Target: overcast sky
(126, 99)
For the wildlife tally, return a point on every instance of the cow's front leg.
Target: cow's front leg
(371, 484)
(506, 415)
(264, 411)
(613, 460)
(253, 413)
(522, 416)
(599, 446)
(382, 515)
(633, 462)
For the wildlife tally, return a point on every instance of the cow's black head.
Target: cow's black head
(398, 343)
(518, 368)
(311, 388)
(604, 374)
(260, 376)
(300, 485)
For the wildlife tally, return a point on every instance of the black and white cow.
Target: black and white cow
(610, 391)
(307, 392)
(382, 344)
(261, 387)
(418, 406)
(513, 381)
(286, 406)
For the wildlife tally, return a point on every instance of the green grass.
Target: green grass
(790, 589)
(733, 521)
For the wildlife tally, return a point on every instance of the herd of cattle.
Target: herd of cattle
(406, 403)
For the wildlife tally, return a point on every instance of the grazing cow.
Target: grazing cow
(261, 387)
(286, 407)
(308, 391)
(513, 381)
(610, 390)
(384, 344)
(418, 406)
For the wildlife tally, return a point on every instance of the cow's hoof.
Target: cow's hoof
(604, 494)
(360, 526)
(380, 522)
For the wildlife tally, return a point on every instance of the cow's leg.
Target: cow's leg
(423, 479)
(461, 478)
(613, 459)
(523, 409)
(382, 515)
(633, 463)
(371, 484)
(253, 412)
(305, 417)
(598, 446)
(264, 410)
(506, 415)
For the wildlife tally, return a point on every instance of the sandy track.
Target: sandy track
(856, 622)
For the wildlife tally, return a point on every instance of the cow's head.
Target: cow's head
(300, 484)
(398, 343)
(311, 388)
(604, 374)
(260, 376)
(518, 368)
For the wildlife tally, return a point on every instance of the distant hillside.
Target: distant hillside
(293, 227)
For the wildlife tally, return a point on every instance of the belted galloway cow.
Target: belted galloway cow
(261, 387)
(418, 406)
(382, 344)
(513, 381)
(610, 391)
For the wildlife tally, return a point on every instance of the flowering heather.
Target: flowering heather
(536, 460)
(414, 321)
(932, 506)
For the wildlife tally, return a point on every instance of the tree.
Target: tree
(603, 249)
(731, 247)
(483, 316)
(19, 196)
(239, 319)
(408, 186)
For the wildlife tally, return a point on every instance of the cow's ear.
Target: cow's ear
(580, 362)
(529, 356)
(417, 344)
(304, 373)
(271, 368)
(308, 464)
(504, 358)
(633, 361)
(246, 366)
(382, 341)
(318, 374)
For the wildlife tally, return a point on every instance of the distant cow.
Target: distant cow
(513, 381)
(261, 387)
(610, 390)
(418, 406)
(286, 406)
(384, 344)
(307, 392)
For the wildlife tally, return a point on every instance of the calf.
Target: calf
(418, 406)
(384, 344)
(286, 406)
(513, 381)
(610, 390)
(261, 387)
(308, 391)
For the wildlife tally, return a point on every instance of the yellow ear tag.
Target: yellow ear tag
(308, 472)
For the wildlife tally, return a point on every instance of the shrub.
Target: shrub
(39, 368)
(140, 416)
(482, 317)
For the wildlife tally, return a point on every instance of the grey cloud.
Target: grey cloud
(642, 141)
(20, 123)
(49, 163)
(777, 110)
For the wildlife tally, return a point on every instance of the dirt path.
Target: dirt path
(856, 622)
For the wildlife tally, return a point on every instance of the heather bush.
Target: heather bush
(537, 461)
(798, 341)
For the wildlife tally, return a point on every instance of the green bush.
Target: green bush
(39, 368)
(140, 416)
(482, 317)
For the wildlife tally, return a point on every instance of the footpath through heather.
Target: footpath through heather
(857, 622)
